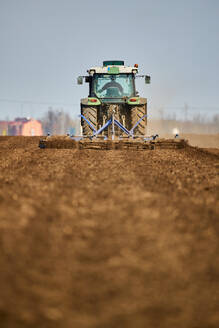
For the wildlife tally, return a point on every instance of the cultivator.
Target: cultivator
(113, 116)
(127, 140)
(59, 142)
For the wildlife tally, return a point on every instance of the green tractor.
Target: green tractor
(112, 91)
(113, 116)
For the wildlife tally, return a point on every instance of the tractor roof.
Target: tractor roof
(113, 67)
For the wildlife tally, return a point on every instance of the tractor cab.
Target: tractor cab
(113, 82)
(113, 87)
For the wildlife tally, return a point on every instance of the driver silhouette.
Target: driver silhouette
(112, 84)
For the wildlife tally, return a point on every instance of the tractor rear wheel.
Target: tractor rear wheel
(136, 114)
(91, 115)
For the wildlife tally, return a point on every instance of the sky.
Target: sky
(46, 44)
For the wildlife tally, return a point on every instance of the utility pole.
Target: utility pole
(186, 107)
(22, 106)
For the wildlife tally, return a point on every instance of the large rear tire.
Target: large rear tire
(91, 115)
(136, 114)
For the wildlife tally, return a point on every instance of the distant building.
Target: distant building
(3, 128)
(32, 128)
(21, 127)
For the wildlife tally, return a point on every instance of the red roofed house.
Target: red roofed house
(21, 127)
(25, 127)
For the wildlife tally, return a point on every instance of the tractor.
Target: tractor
(113, 116)
(112, 91)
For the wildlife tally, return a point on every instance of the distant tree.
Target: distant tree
(216, 123)
(57, 122)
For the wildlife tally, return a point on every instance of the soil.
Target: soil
(202, 140)
(107, 239)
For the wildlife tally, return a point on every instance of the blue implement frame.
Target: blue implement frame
(112, 121)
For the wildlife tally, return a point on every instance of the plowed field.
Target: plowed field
(108, 238)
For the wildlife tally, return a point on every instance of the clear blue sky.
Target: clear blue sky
(46, 44)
